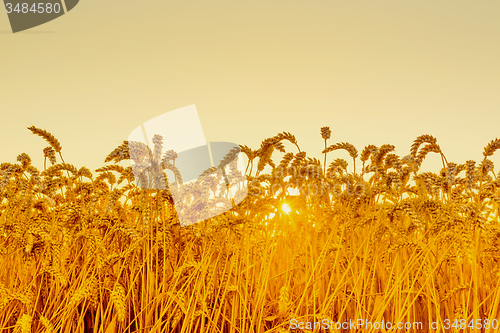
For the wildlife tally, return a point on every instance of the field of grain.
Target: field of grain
(329, 241)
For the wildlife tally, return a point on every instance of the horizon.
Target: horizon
(376, 73)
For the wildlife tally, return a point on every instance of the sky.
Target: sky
(375, 71)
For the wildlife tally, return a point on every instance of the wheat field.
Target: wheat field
(372, 238)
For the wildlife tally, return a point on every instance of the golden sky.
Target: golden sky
(375, 71)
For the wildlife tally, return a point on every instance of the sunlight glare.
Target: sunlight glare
(286, 209)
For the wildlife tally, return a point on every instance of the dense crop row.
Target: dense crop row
(86, 251)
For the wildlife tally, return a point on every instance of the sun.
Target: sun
(286, 209)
